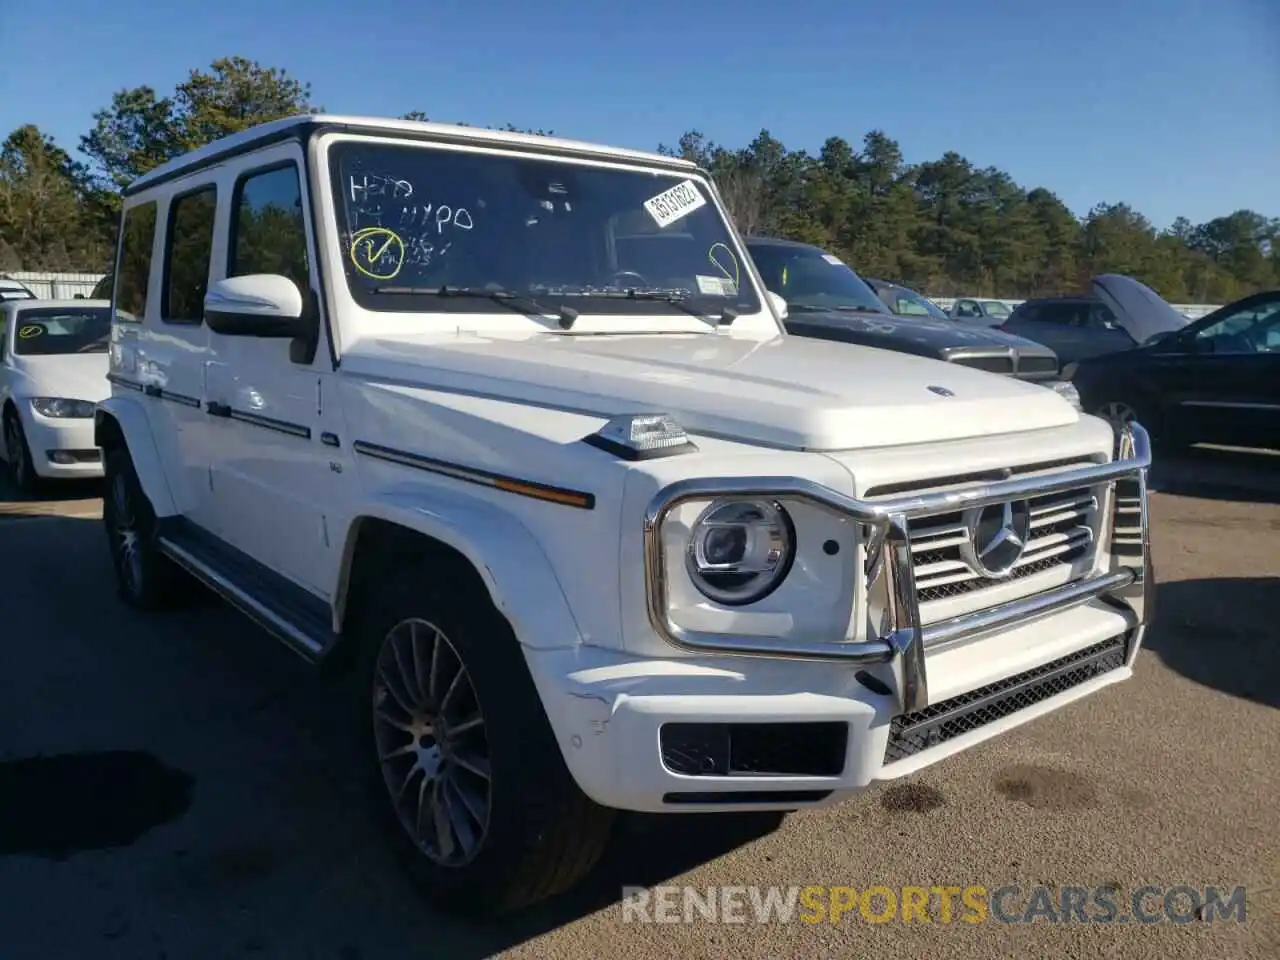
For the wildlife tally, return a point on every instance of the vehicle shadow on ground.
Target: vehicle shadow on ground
(1209, 473)
(230, 689)
(51, 494)
(1224, 634)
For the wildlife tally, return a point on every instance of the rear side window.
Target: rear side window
(188, 249)
(1059, 314)
(268, 232)
(137, 239)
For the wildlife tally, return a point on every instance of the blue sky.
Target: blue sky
(1170, 105)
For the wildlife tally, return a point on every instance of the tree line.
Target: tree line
(945, 226)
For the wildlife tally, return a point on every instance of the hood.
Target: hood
(1138, 308)
(76, 376)
(789, 392)
(939, 337)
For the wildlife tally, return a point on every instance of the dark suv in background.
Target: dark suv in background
(827, 300)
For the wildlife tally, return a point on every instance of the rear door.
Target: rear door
(158, 338)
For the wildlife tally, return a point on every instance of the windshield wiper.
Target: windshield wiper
(526, 305)
(677, 298)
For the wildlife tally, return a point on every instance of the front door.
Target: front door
(274, 471)
(1236, 374)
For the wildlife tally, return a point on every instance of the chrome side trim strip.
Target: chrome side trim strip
(892, 606)
(125, 382)
(295, 639)
(299, 430)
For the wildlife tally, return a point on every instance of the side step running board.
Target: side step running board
(293, 615)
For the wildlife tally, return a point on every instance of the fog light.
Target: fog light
(64, 457)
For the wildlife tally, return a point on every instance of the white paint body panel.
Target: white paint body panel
(504, 394)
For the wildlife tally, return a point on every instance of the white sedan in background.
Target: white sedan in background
(53, 372)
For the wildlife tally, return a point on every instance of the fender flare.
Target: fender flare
(131, 420)
(509, 559)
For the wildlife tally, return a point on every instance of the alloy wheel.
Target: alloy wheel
(432, 744)
(1118, 413)
(124, 533)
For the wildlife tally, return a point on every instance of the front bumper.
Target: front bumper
(62, 448)
(616, 715)
(660, 735)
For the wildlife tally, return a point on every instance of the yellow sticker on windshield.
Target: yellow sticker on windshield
(30, 330)
(377, 252)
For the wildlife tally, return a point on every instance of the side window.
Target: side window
(1059, 314)
(187, 251)
(1254, 329)
(137, 239)
(910, 307)
(967, 308)
(268, 232)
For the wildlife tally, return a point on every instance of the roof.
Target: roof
(1063, 298)
(306, 124)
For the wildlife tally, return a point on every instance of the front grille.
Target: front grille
(913, 733)
(991, 364)
(1037, 365)
(1062, 533)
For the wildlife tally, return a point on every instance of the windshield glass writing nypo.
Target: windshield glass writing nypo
(413, 220)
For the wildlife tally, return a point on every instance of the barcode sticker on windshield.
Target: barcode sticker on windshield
(833, 260)
(670, 205)
(714, 286)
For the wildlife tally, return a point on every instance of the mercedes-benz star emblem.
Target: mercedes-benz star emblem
(997, 537)
(941, 391)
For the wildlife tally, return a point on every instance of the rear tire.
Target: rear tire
(489, 818)
(145, 577)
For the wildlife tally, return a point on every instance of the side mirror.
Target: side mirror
(779, 305)
(257, 305)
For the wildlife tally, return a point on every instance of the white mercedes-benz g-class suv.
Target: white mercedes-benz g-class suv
(506, 428)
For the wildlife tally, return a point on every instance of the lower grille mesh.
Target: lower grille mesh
(912, 733)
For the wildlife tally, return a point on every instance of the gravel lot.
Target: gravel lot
(241, 837)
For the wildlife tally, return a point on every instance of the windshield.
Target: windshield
(413, 220)
(52, 330)
(809, 279)
(911, 304)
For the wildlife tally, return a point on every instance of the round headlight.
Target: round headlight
(740, 550)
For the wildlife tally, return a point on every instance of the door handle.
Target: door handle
(216, 409)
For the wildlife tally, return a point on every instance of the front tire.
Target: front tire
(22, 471)
(1119, 412)
(460, 762)
(145, 577)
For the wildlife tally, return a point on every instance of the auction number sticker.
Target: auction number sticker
(670, 205)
